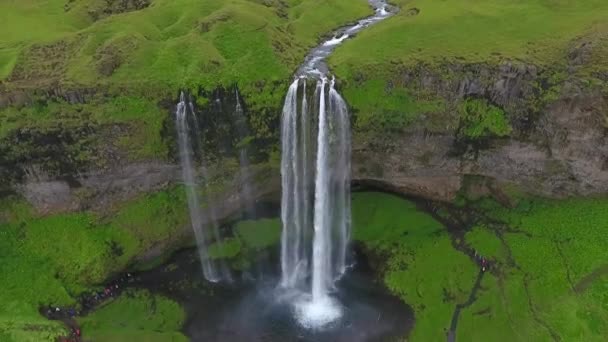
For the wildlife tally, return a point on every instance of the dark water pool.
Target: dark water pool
(253, 309)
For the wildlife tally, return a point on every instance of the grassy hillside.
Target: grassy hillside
(50, 260)
(136, 316)
(536, 31)
(466, 39)
(161, 44)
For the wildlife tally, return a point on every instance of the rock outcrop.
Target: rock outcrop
(558, 148)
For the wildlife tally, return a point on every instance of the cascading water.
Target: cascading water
(293, 256)
(321, 243)
(213, 271)
(331, 210)
(340, 178)
(210, 269)
(246, 192)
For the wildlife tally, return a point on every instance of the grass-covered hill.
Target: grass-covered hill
(540, 32)
(161, 44)
(399, 63)
(84, 81)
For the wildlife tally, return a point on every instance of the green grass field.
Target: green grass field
(169, 44)
(548, 279)
(445, 37)
(422, 267)
(50, 260)
(135, 316)
(535, 31)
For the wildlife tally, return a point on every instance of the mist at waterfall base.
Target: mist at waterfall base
(249, 309)
(268, 302)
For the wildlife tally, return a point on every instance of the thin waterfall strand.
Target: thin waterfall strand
(188, 174)
(246, 192)
(221, 268)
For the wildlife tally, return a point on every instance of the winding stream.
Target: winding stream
(314, 65)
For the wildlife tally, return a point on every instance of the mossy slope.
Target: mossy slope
(136, 316)
(50, 260)
(165, 45)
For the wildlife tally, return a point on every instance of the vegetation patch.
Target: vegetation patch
(50, 260)
(259, 234)
(472, 32)
(179, 43)
(479, 119)
(422, 267)
(251, 237)
(135, 316)
(83, 134)
(540, 251)
(382, 106)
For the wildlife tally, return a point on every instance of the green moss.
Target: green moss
(541, 255)
(472, 31)
(225, 249)
(224, 42)
(384, 107)
(422, 267)
(250, 238)
(487, 244)
(259, 234)
(49, 260)
(479, 119)
(139, 120)
(151, 218)
(535, 291)
(135, 316)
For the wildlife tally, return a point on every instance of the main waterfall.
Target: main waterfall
(317, 218)
(327, 219)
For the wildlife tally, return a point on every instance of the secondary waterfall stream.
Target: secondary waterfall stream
(213, 271)
(330, 211)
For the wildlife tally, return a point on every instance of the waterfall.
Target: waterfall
(328, 218)
(210, 270)
(213, 271)
(246, 192)
(321, 244)
(331, 210)
(341, 178)
(293, 256)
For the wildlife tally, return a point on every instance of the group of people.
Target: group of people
(88, 301)
(482, 261)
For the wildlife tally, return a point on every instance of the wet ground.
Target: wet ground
(253, 309)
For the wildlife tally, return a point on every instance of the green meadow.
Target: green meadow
(548, 275)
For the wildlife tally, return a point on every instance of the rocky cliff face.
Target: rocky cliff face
(558, 146)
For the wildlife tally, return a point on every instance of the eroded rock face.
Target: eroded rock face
(556, 151)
